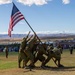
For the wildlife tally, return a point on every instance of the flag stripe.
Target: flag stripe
(15, 19)
(17, 13)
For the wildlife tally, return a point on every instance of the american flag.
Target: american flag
(16, 16)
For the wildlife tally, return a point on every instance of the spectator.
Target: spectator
(71, 49)
(6, 51)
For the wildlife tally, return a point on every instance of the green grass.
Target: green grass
(8, 65)
(11, 62)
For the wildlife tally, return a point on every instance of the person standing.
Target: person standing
(71, 49)
(6, 51)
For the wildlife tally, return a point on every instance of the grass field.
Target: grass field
(9, 66)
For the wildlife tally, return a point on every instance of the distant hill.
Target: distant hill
(17, 38)
(58, 35)
(2, 36)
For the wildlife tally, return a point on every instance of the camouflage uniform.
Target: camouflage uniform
(59, 46)
(54, 53)
(57, 55)
(28, 50)
(22, 55)
(40, 52)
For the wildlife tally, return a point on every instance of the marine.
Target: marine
(28, 51)
(22, 55)
(40, 54)
(54, 54)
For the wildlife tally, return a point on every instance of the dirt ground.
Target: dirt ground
(38, 71)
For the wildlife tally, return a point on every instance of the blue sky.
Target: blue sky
(44, 16)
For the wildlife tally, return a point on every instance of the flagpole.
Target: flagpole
(32, 30)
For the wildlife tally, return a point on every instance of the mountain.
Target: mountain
(41, 35)
(13, 36)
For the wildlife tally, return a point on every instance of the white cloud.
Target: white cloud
(36, 2)
(31, 2)
(5, 1)
(66, 1)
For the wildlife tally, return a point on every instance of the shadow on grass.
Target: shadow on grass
(55, 69)
(28, 70)
(69, 68)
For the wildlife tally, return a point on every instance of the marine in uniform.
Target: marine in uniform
(53, 53)
(28, 50)
(40, 54)
(22, 55)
